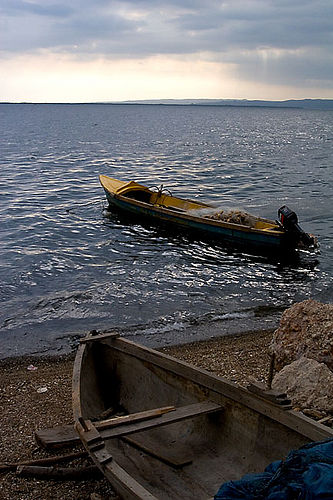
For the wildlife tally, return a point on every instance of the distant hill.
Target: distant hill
(292, 103)
(323, 104)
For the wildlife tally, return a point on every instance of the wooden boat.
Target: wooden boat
(177, 432)
(235, 229)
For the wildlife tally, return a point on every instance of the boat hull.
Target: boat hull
(176, 455)
(231, 235)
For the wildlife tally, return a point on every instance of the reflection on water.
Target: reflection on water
(66, 267)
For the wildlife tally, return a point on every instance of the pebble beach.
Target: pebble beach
(36, 394)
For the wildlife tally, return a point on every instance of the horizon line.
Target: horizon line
(240, 102)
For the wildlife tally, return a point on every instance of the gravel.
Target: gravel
(35, 393)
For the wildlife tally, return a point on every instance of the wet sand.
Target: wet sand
(34, 399)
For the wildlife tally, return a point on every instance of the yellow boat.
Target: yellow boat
(236, 229)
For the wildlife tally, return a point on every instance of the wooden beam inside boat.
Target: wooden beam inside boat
(182, 413)
(132, 417)
(65, 435)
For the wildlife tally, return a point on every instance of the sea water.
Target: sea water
(68, 266)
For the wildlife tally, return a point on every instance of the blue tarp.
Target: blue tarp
(306, 474)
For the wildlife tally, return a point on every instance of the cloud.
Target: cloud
(21, 7)
(150, 27)
(280, 41)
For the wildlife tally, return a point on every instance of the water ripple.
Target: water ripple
(65, 266)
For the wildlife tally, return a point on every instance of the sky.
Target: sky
(106, 50)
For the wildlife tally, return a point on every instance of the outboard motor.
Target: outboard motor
(289, 221)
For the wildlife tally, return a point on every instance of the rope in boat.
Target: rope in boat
(160, 190)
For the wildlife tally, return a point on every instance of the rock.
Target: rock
(306, 329)
(315, 414)
(95, 496)
(309, 384)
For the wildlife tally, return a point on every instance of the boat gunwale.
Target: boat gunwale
(202, 220)
(220, 385)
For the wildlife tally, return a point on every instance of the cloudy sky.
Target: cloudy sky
(107, 50)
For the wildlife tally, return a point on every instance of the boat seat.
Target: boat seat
(150, 419)
(65, 435)
(176, 415)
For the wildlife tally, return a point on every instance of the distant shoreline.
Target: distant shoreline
(309, 104)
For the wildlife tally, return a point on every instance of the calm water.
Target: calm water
(66, 268)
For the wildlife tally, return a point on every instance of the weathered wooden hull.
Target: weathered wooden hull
(215, 432)
(234, 235)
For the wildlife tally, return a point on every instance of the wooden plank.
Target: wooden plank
(61, 473)
(171, 454)
(182, 413)
(57, 437)
(124, 483)
(275, 397)
(43, 461)
(259, 387)
(132, 417)
(61, 436)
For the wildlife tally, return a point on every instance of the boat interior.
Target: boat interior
(163, 199)
(158, 196)
(206, 439)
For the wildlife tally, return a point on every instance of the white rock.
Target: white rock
(309, 384)
(306, 329)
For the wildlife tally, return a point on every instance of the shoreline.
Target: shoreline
(155, 335)
(40, 398)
